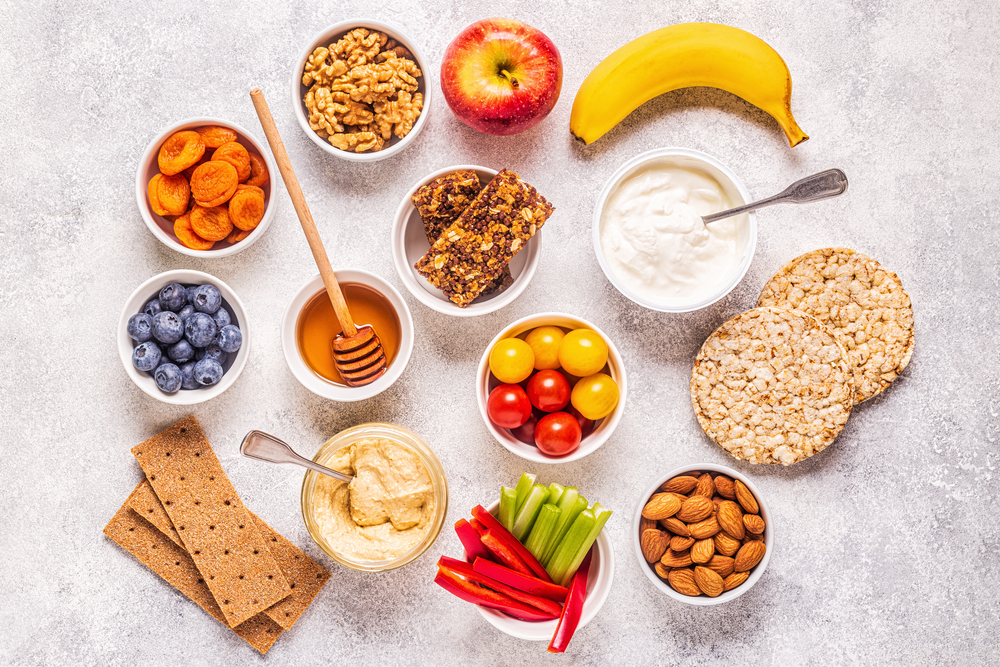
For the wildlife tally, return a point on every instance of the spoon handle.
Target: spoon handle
(824, 185)
(264, 447)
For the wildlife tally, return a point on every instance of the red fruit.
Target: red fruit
(549, 391)
(557, 434)
(586, 425)
(526, 431)
(508, 406)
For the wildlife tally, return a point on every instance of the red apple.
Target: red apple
(501, 76)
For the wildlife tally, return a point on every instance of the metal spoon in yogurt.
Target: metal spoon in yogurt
(264, 447)
(824, 185)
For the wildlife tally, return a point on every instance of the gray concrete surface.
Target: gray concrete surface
(886, 542)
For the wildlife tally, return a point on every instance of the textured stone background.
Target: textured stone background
(886, 542)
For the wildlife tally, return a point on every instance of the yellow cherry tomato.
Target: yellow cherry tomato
(544, 342)
(512, 360)
(583, 352)
(595, 396)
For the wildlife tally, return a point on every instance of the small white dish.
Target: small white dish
(598, 436)
(314, 382)
(329, 36)
(150, 290)
(162, 228)
(409, 243)
(755, 574)
(599, 580)
(685, 157)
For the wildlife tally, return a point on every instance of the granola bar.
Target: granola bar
(474, 250)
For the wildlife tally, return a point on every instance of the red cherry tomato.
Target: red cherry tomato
(586, 425)
(557, 434)
(526, 431)
(508, 406)
(549, 390)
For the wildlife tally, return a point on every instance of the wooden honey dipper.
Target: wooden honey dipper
(357, 352)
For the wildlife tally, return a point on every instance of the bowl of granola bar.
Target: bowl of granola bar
(360, 90)
(466, 239)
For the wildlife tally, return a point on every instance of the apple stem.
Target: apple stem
(513, 80)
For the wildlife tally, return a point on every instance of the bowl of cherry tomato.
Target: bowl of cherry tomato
(551, 388)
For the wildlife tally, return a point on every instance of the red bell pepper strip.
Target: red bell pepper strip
(573, 609)
(521, 582)
(466, 571)
(474, 547)
(504, 553)
(487, 519)
(484, 597)
(476, 526)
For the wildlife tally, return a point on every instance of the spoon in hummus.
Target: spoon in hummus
(265, 447)
(824, 185)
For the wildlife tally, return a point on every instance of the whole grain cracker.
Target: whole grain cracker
(772, 385)
(864, 304)
(215, 527)
(174, 565)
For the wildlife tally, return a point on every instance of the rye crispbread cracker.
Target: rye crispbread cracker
(772, 385)
(304, 575)
(864, 305)
(216, 529)
(174, 565)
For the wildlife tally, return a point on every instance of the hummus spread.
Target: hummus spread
(386, 510)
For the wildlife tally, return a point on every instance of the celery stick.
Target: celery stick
(545, 524)
(602, 516)
(559, 564)
(555, 492)
(507, 503)
(571, 504)
(525, 517)
(521, 490)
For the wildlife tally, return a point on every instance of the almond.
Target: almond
(725, 487)
(661, 570)
(717, 500)
(734, 580)
(678, 543)
(694, 509)
(675, 526)
(702, 551)
(708, 581)
(723, 565)
(704, 529)
(726, 545)
(748, 556)
(752, 537)
(646, 524)
(753, 523)
(682, 581)
(731, 519)
(745, 498)
(705, 486)
(660, 506)
(682, 484)
(676, 558)
(653, 543)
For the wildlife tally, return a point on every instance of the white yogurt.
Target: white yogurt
(655, 242)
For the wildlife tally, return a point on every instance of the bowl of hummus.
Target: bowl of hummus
(392, 511)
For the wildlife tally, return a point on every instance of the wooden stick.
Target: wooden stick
(302, 210)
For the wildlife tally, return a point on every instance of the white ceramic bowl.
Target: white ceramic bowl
(409, 244)
(602, 574)
(315, 383)
(731, 185)
(151, 289)
(163, 229)
(757, 571)
(599, 435)
(331, 35)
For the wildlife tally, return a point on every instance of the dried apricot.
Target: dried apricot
(236, 155)
(180, 151)
(246, 208)
(154, 199)
(186, 235)
(213, 183)
(238, 235)
(173, 193)
(258, 171)
(214, 135)
(211, 224)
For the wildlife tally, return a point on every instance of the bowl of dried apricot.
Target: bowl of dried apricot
(703, 534)
(205, 188)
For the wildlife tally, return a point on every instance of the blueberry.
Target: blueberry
(189, 291)
(146, 356)
(167, 327)
(207, 372)
(230, 338)
(153, 307)
(200, 330)
(181, 351)
(140, 327)
(222, 318)
(168, 378)
(185, 312)
(173, 297)
(207, 299)
(187, 376)
(213, 351)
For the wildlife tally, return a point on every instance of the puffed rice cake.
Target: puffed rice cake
(772, 385)
(863, 304)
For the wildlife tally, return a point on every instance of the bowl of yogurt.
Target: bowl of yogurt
(649, 237)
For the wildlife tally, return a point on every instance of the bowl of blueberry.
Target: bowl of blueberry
(183, 337)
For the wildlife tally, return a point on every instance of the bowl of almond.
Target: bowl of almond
(703, 534)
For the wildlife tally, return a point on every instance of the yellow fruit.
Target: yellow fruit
(595, 396)
(583, 352)
(681, 56)
(512, 360)
(544, 342)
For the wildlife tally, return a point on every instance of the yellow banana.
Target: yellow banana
(680, 56)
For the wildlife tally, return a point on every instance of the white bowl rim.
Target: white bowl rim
(141, 187)
(757, 572)
(598, 437)
(617, 177)
(140, 296)
(310, 380)
(326, 34)
(408, 275)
